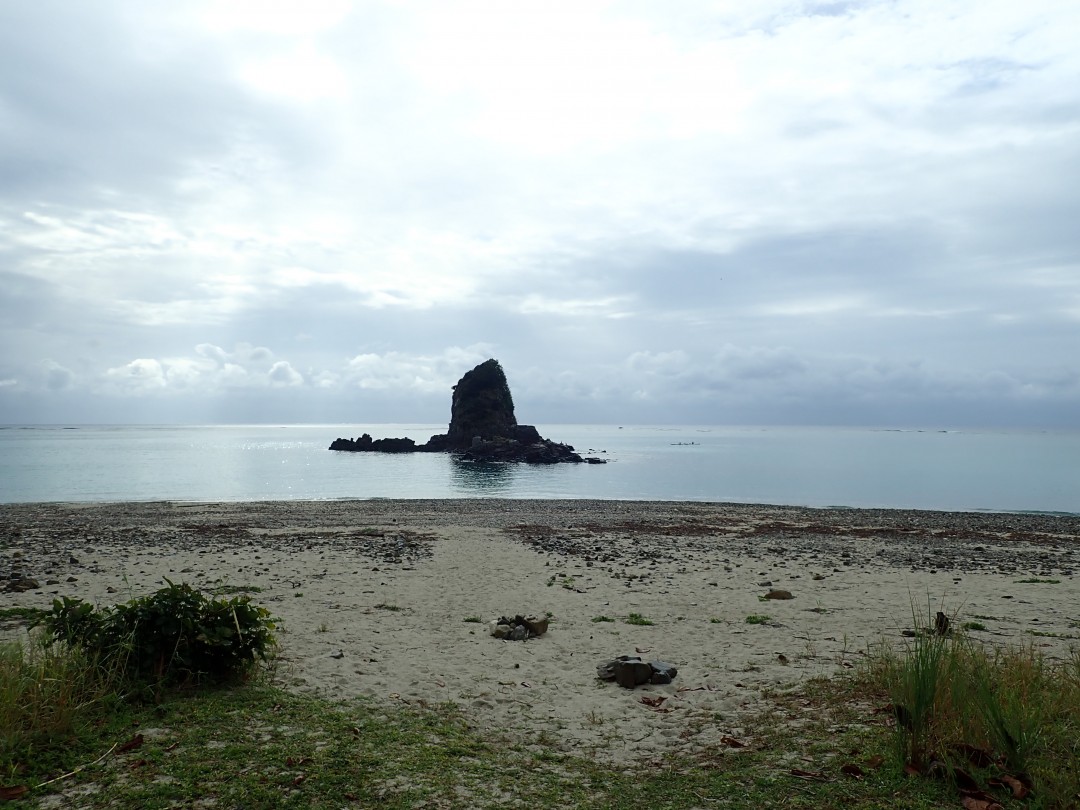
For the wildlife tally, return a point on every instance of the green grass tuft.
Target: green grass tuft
(954, 694)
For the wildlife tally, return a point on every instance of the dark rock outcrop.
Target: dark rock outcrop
(482, 406)
(482, 427)
(366, 443)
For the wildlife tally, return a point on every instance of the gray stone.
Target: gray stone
(779, 594)
(662, 672)
(631, 672)
(519, 633)
(23, 585)
(536, 626)
(500, 631)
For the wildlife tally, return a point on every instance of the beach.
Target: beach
(393, 599)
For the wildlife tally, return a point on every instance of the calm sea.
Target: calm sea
(952, 470)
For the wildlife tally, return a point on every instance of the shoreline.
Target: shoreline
(376, 597)
(377, 499)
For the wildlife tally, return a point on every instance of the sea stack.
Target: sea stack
(481, 406)
(482, 427)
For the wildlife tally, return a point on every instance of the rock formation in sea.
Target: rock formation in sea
(482, 427)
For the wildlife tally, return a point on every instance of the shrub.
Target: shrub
(176, 635)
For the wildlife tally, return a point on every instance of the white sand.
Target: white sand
(355, 623)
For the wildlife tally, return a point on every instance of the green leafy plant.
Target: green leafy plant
(638, 619)
(758, 618)
(176, 635)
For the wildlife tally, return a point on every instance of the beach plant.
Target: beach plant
(176, 635)
(48, 694)
(756, 618)
(970, 711)
(598, 619)
(914, 687)
(638, 619)
(230, 590)
(20, 615)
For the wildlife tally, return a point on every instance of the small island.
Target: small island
(482, 428)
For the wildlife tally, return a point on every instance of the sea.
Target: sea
(954, 470)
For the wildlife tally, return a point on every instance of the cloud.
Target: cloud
(791, 209)
(56, 377)
(282, 374)
(402, 373)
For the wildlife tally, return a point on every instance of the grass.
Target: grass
(993, 712)
(20, 615)
(756, 618)
(638, 619)
(974, 626)
(1038, 581)
(384, 606)
(598, 619)
(233, 590)
(259, 747)
(1050, 634)
(49, 696)
(825, 744)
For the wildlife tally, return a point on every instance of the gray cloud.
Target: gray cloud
(787, 211)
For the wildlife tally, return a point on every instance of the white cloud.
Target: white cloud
(283, 374)
(142, 374)
(696, 205)
(403, 373)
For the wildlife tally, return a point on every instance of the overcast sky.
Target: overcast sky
(861, 213)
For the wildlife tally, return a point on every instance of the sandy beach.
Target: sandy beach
(393, 599)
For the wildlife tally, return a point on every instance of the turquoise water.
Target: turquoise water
(954, 470)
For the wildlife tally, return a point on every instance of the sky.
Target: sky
(858, 213)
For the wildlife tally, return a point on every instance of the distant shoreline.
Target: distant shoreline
(542, 502)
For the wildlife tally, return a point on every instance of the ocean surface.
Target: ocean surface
(950, 470)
